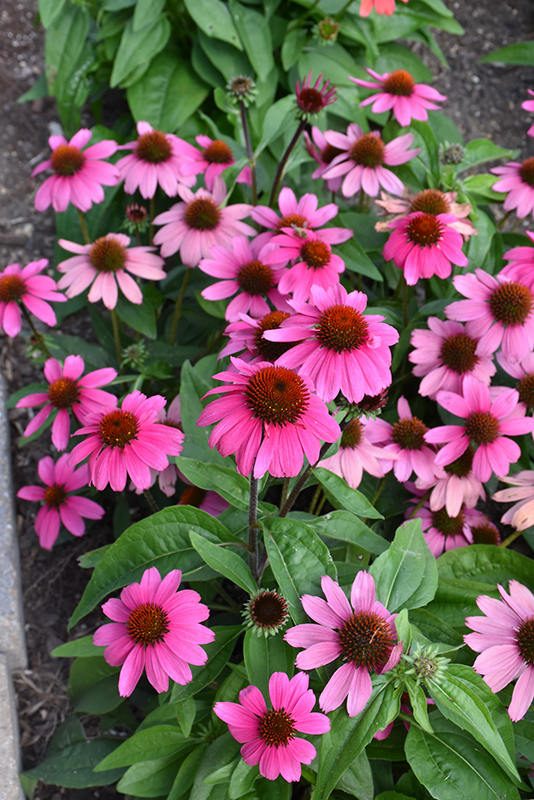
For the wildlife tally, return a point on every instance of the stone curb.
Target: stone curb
(12, 643)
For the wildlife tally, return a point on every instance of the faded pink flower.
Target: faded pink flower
(362, 633)
(520, 515)
(155, 628)
(442, 531)
(362, 159)
(399, 93)
(324, 154)
(78, 174)
(521, 266)
(212, 160)
(247, 334)
(127, 440)
(517, 182)
(312, 99)
(198, 223)
(67, 391)
(269, 417)
(106, 264)
(357, 455)
(268, 734)
(25, 285)
(504, 640)
(523, 371)
(380, 6)
(60, 479)
(429, 201)
(454, 486)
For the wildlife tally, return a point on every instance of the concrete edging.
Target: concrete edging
(12, 640)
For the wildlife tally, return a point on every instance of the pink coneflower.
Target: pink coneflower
(208, 501)
(504, 640)
(60, 479)
(429, 201)
(444, 354)
(454, 486)
(315, 265)
(212, 160)
(157, 159)
(381, 7)
(520, 515)
(196, 225)
(269, 417)
(483, 530)
(521, 266)
(405, 438)
(517, 182)
(528, 105)
(341, 349)
(106, 263)
(524, 372)
(155, 628)
(25, 285)
(67, 391)
(268, 735)
(501, 312)
(79, 176)
(487, 424)
(361, 632)
(324, 154)
(399, 93)
(442, 531)
(247, 334)
(298, 214)
(127, 440)
(362, 159)
(312, 99)
(244, 272)
(357, 455)
(424, 245)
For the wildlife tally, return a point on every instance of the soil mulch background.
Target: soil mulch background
(484, 101)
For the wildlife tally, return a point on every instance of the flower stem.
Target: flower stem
(37, 336)
(116, 336)
(85, 232)
(324, 498)
(420, 504)
(404, 299)
(345, 7)
(178, 306)
(253, 527)
(285, 489)
(513, 536)
(151, 502)
(504, 220)
(250, 152)
(283, 162)
(152, 215)
(315, 498)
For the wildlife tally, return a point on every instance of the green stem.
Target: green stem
(321, 504)
(280, 171)
(504, 220)
(345, 8)
(150, 500)
(85, 232)
(420, 504)
(37, 336)
(116, 336)
(315, 498)
(513, 536)
(296, 23)
(250, 152)
(232, 603)
(152, 215)
(178, 306)
(253, 527)
(404, 299)
(285, 489)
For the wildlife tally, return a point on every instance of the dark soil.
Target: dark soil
(484, 101)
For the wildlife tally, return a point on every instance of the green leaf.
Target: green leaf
(334, 61)
(227, 563)
(213, 17)
(187, 774)
(223, 480)
(141, 317)
(38, 90)
(351, 499)
(64, 43)
(48, 10)
(521, 53)
(161, 540)
(426, 135)
(298, 559)
(292, 46)
(150, 778)
(406, 575)
(419, 704)
(146, 745)
(255, 34)
(264, 655)
(221, 752)
(452, 766)
(279, 115)
(72, 766)
(349, 528)
(357, 260)
(479, 186)
(81, 647)
(138, 47)
(186, 712)
(478, 151)
(145, 12)
(465, 699)
(358, 779)
(487, 563)
(218, 653)
(396, 56)
(169, 92)
(242, 780)
(434, 628)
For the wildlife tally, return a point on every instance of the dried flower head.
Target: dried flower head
(326, 31)
(312, 99)
(451, 153)
(241, 89)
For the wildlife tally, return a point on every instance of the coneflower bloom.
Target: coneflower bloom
(243, 272)
(444, 354)
(339, 347)
(312, 99)
(424, 245)
(523, 371)
(381, 7)
(156, 628)
(483, 530)
(405, 438)
(517, 182)
(78, 174)
(106, 264)
(357, 455)
(528, 105)
(363, 157)
(521, 266)
(269, 417)
(504, 638)
(399, 93)
(212, 160)
(247, 334)
(268, 735)
(69, 389)
(520, 515)
(442, 531)
(487, 425)
(157, 159)
(501, 312)
(25, 285)
(429, 201)
(324, 154)
(59, 506)
(315, 263)
(198, 223)
(454, 486)
(127, 441)
(362, 633)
